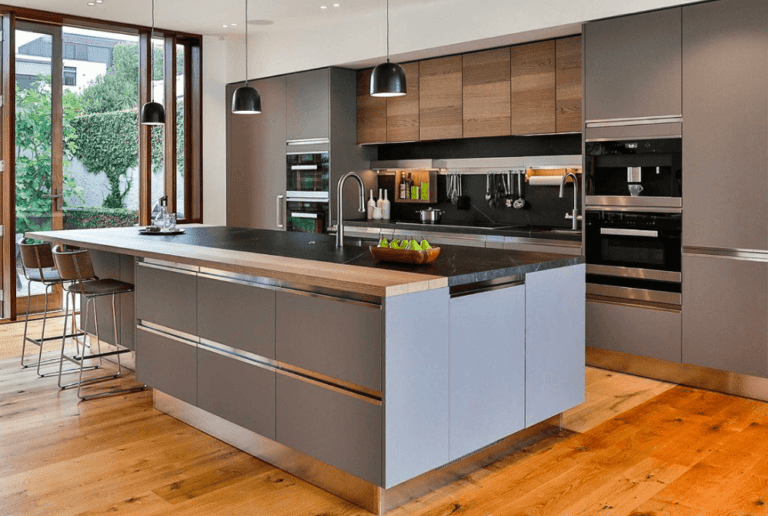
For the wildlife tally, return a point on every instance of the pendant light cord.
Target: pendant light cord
(152, 57)
(246, 43)
(387, 30)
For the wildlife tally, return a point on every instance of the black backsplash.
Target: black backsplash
(543, 206)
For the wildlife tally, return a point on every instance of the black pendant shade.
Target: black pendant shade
(152, 113)
(388, 80)
(246, 101)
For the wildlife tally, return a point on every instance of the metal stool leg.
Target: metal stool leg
(26, 324)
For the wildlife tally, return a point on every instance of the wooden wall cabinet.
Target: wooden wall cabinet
(440, 98)
(533, 88)
(403, 112)
(486, 93)
(568, 113)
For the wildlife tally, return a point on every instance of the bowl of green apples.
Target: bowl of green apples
(405, 251)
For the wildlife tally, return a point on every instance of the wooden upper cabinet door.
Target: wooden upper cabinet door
(440, 98)
(486, 96)
(633, 66)
(371, 112)
(569, 90)
(403, 112)
(533, 88)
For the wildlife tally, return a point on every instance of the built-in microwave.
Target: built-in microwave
(635, 173)
(634, 254)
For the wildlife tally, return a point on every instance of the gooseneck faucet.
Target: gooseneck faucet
(575, 215)
(340, 205)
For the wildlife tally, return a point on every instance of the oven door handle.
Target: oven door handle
(629, 232)
(304, 167)
(300, 215)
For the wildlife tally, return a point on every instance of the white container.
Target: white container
(386, 207)
(380, 202)
(377, 213)
(371, 206)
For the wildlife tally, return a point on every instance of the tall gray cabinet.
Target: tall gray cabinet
(725, 193)
(632, 67)
(256, 159)
(312, 105)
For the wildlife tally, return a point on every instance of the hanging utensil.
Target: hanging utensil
(487, 186)
(519, 202)
(510, 197)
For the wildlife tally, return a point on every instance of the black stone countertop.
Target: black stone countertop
(461, 265)
(539, 232)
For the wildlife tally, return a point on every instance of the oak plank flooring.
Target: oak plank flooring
(635, 447)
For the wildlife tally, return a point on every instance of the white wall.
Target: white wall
(417, 31)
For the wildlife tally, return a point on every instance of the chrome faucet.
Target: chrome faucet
(575, 216)
(340, 205)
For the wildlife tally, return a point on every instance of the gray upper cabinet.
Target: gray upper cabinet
(633, 66)
(725, 94)
(308, 105)
(725, 314)
(256, 160)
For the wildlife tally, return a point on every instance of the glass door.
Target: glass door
(39, 142)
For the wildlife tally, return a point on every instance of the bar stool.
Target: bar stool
(38, 266)
(75, 266)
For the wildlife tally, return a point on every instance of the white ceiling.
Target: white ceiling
(209, 16)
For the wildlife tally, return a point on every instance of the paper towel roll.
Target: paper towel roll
(545, 180)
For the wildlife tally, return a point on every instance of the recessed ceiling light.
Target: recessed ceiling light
(336, 5)
(323, 7)
(91, 4)
(233, 24)
(99, 1)
(260, 22)
(225, 26)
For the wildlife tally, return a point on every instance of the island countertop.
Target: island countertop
(309, 258)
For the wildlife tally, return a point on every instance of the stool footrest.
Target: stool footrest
(101, 355)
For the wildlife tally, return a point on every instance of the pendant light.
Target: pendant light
(152, 113)
(246, 100)
(388, 79)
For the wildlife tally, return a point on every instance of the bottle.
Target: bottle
(371, 206)
(386, 207)
(380, 202)
(403, 186)
(162, 220)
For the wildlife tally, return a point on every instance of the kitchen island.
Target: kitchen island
(361, 377)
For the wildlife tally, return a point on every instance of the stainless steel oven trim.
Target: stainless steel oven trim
(642, 120)
(654, 296)
(303, 167)
(306, 196)
(628, 200)
(638, 209)
(301, 215)
(308, 141)
(630, 232)
(635, 272)
(599, 140)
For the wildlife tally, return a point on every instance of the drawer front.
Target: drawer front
(167, 298)
(337, 338)
(237, 391)
(236, 314)
(336, 428)
(636, 330)
(167, 363)
(543, 248)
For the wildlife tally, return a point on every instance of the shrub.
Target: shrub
(96, 217)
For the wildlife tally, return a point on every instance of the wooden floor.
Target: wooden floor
(636, 447)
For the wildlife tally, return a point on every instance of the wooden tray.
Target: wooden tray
(386, 254)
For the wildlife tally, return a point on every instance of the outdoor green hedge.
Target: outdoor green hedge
(97, 217)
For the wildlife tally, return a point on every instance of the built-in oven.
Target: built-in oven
(634, 254)
(307, 186)
(636, 173)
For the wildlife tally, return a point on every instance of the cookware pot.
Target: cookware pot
(430, 216)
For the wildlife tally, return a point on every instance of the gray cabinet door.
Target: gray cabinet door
(487, 375)
(333, 337)
(725, 94)
(648, 332)
(237, 314)
(633, 66)
(167, 363)
(725, 314)
(237, 391)
(338, 429)
(256, 160)
(308, 105)
(554, 341)
(167, 297)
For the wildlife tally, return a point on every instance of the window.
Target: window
(70, 51)
(70, 76)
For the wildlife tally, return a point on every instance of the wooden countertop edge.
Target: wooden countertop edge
(347, 278)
